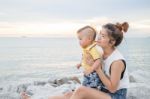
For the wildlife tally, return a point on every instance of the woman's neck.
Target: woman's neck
(108, 52)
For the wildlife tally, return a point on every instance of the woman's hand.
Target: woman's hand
(98, 69)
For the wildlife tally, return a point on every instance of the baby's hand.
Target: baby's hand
(78, 66)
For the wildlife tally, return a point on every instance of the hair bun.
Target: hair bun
(123, 27)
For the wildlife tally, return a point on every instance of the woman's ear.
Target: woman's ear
(112, 42)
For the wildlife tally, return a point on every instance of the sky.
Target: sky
(62, 18)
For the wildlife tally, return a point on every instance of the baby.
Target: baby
(86, 36)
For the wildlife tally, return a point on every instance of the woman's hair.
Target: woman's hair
(115, 31)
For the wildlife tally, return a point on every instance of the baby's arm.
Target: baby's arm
(79, 65)
(95, 65)
(96, 58)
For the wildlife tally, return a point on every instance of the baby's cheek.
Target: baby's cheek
(81, 43)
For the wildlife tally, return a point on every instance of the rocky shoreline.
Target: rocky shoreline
(43, 89)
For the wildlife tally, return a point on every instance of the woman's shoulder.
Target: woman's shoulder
(117, 63)
(117, 55)
(118, 60)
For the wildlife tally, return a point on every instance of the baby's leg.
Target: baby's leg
(98, 82)
(86, 80)
(94, 81)
(24, 96)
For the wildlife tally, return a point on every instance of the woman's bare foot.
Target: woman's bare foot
(24, 96)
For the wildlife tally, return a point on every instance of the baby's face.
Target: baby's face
(84, 40)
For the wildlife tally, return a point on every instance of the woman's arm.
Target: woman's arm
(112, 83)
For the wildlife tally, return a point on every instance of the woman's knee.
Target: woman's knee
(81, 90)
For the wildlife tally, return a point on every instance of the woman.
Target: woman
(113, 74)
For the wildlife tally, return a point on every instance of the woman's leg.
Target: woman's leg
(64, 96)
(89, 93)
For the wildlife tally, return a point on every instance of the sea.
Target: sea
(28, 59)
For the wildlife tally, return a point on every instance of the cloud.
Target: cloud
(6, 25)
(99, 20)
(139, 25)
(39, 28)
(2, 13)
(64, 27)
(143, 25)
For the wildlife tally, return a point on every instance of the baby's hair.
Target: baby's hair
(91, 31)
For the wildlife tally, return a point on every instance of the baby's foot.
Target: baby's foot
(24, 96)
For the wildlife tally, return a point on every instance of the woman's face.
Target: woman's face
(103, 39)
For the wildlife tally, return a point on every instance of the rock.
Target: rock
(37, 83)
(65, 80)
(139, 92)
(22, 87)
(132, 79)
(51, 81)
(10, 96)
(41, 89)
(29, 93)
(10, 88)
(61, 81)
(131, 97)
(76, 79)
(54, 85)
(1, 88)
